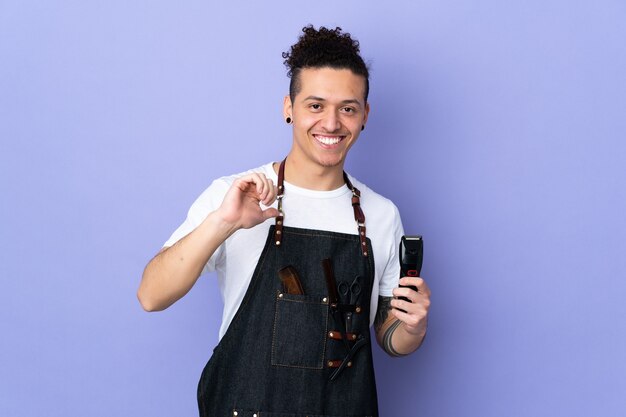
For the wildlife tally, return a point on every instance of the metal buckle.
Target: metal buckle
(280, 203)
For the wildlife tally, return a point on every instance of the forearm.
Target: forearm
(174, 271)
(392, 334)
(402, 342)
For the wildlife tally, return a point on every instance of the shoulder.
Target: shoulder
(375, 205)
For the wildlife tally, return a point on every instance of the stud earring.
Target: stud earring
(288, 120)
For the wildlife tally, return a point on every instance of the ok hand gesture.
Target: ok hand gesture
(241, 207)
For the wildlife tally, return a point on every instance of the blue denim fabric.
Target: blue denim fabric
(273, 359)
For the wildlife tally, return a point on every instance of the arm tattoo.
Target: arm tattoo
(384, 305)
(387, 339)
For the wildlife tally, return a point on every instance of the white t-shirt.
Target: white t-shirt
(236, 259)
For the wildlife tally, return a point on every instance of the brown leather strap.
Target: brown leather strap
(359, 216)
(336, 335)
(337, 363)
(280, 219)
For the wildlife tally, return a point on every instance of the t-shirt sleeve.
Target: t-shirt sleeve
(206, 203)
(391, 273)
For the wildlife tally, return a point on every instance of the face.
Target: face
(327, 114)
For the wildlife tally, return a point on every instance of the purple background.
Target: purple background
(498, 128)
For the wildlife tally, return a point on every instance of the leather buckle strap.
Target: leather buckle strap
(348, 359)
(337, 335)
(280, 219)
(337, 363)
(347, 308)
(359, 216)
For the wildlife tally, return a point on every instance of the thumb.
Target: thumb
(270, 212)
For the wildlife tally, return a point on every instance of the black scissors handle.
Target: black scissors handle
(344, 289)
(350, 293)
(355, 289)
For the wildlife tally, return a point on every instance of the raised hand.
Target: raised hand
(241, 207)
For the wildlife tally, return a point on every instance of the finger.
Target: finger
(418, 309)
(411, 320)
(423, 288)
(405, 317)
(271, 196)
(242, 183)
(263, 186)
(269, 213)
(407, 306)
(246, 181)
(405, 292)
(259, 183)
(417, 282)
(419, 305)
(267, 188)
(412, 281)
(421, 299)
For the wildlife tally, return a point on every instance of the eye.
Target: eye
(315, 106)
(349, 110)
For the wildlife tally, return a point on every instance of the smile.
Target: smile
(328, 140)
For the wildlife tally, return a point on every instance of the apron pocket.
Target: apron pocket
(300, 326)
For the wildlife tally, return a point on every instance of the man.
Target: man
(298, 345)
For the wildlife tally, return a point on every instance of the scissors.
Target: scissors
(350, 293)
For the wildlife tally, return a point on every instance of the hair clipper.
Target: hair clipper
(411, 256)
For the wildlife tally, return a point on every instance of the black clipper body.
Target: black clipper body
(411, 256)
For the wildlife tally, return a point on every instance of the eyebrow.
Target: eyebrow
(348, 101)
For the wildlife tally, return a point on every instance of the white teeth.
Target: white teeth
(328, 140)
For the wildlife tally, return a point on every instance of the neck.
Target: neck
(311, 176)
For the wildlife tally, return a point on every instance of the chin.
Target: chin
(330, 162)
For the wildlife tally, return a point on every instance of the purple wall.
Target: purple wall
(498, 128)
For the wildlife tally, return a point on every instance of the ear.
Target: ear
(287, 107)
(367, 112)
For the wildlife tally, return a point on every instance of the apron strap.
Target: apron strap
(359, 216)
(278, 231)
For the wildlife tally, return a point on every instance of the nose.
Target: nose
(330, 122)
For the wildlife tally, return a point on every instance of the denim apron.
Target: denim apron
(297, 355)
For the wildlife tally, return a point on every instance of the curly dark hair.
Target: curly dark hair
(323, 48)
